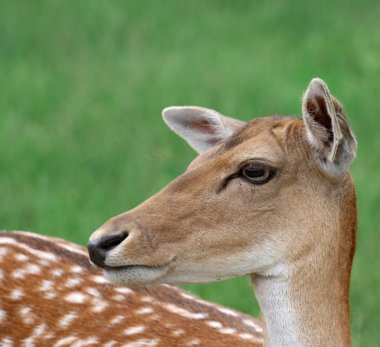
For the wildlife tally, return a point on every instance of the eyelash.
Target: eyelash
(238, 174)
(271, 174)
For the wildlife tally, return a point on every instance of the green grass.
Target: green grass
(83, 83)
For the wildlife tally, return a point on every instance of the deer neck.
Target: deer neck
(306, 302)
(300, 311)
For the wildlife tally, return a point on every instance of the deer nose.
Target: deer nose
(98, 248)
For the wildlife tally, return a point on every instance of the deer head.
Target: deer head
(254, 198)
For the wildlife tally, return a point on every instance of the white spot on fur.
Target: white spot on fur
(155, 317)
(16, 294)
(145, 310)
(21, 257)
(49, 335)
(33, 251)
(194, 298)
(44, 262)
(194, 342)
(99, 305)
(228, 331)
(147, 299)
(123, 290)
(134, 330)
(118, 297)
(184, 313)
(99, 279)
(37, 332)
(50, 295)
(117, 320)
(67, 319)
(110, 344)
(76, 298)
(26, 315)
(86, 342)
(57, 272)
(251, 324)
(6, 342)
(46, 285)
(3, 315)
(18, 274)
(28, 342)
(228, 311)
(92, 291)
(178, 332)
(65, 341)
(214, 324)
(30, 269)
(76, 269)
(143, 343)
(73, 282)
(3, 252)
(44, 255)
(188, 296)
(246, 336)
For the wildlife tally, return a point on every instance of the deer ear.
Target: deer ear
(200, 127)
(328, 132)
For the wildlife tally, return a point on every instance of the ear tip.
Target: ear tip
(318, 83)
(175, 109)
(169, 110)
(317, 86)
(170, 113)
(317, 80)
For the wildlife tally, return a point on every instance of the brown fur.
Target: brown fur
(160, 324)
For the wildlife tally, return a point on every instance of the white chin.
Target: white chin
(178, 278)
(135, 276)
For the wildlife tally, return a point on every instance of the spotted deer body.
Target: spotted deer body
(271, 198)
(50, 295)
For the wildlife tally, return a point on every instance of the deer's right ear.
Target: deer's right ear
(328, 132)
(202, 128)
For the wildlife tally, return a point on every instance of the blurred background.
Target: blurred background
(83, 83)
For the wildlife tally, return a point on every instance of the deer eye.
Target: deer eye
(257, 174)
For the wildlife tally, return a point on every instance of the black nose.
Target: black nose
(98, 249)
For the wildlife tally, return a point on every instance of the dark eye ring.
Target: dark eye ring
(257, 174)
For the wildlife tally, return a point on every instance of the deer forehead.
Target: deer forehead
(266, 138)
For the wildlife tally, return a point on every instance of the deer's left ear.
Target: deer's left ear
(328, 132)
(202, 128)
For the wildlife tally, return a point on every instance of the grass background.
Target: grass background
(83, 83)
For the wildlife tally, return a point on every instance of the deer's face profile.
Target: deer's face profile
(253, 201)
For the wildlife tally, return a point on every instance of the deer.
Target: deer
(272, 198)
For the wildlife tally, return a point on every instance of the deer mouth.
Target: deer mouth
(135, 275)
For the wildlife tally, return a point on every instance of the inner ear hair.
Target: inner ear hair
(201, 127)
(328, 132)
(323, 109)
